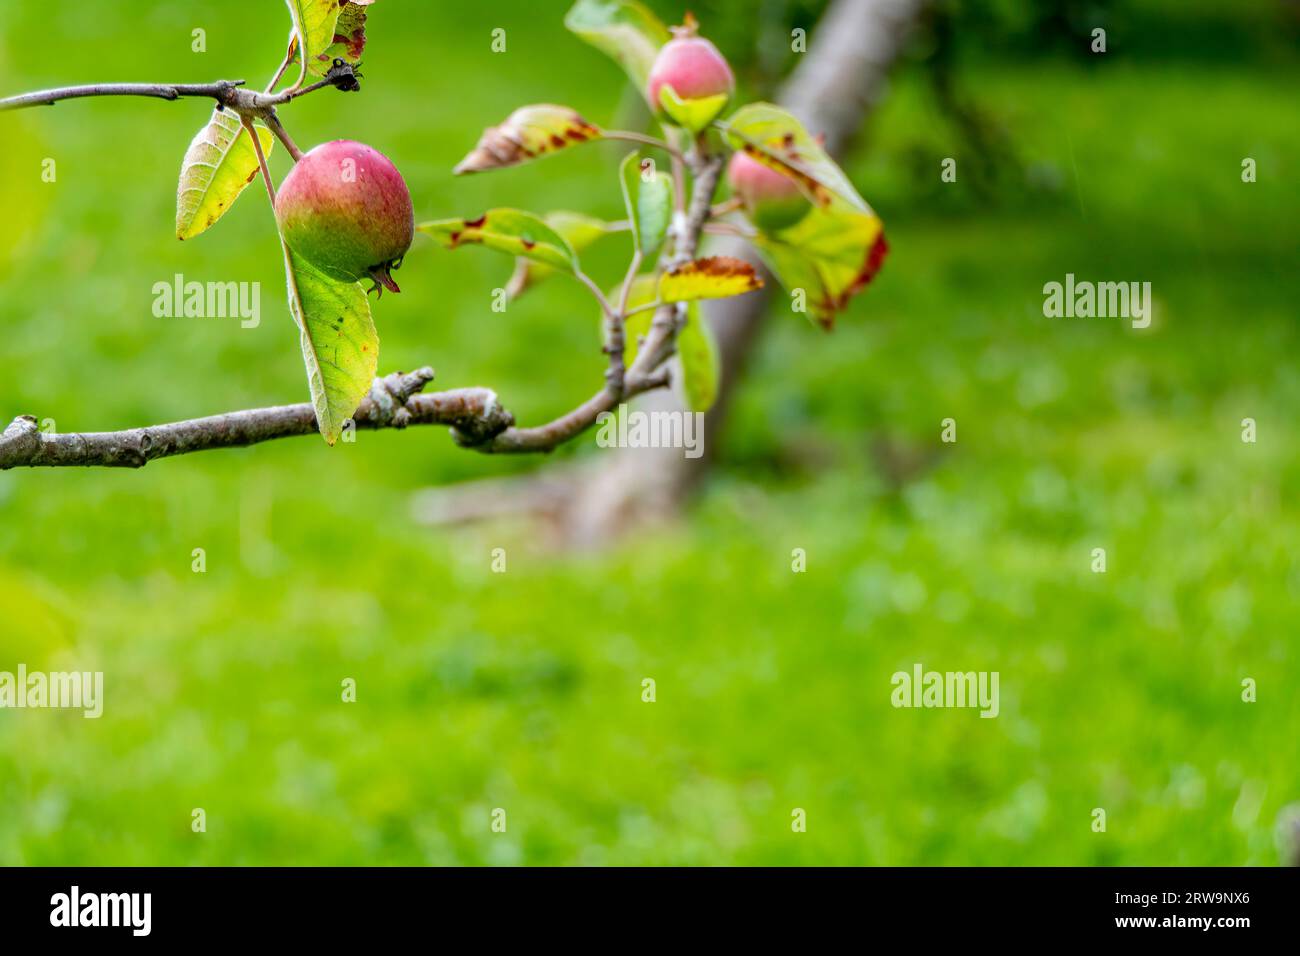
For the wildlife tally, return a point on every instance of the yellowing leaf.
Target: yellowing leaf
(217, 167)
(718, 277)
(528, 133)
(313, 34)
(777, 139)
(511, 231)
(624, 30)
(829, 256)
(692, 114)
(340, 346)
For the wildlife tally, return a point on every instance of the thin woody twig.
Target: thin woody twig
(228, 93)
(275, 126)
(630, 137)
(220, 91)
(544, 438)
(616, 335)
(261, 158)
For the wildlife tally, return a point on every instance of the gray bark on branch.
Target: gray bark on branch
(475, 415)
(227, 93)
(394, 402)
(221, 91)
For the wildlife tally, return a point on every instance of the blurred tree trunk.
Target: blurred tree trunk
(833, 91)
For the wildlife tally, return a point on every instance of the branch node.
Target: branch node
(389, 395)
(19, 441)
(478, 431)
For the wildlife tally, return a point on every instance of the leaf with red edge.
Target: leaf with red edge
(344, 38)
(312, 33)
(349, 35)
(831, 255)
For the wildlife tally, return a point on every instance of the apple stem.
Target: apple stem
(261, 157)
(275, 126)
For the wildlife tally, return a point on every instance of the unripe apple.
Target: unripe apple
(700, 78)
(772, 201)
(345, 208)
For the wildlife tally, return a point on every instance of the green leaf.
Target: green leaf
(313, 33)
(217, 167)
(698, 352)
(530, 132)
(830, 255)
(624, 30)
(696, 347)
(644, 291)
(511, 231)
(340, 346)
(777, 139)
(578, 229)
(692, 114)
(717, 277)
(648, 196)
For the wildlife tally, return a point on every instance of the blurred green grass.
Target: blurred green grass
(480, 690)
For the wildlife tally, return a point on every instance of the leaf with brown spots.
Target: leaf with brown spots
(511, 231)
(578, 229)
(347, 41)
(717, 277)
(340, 346)
(218, 166)
(829, 256)
(530, 132)
(778, 140)
(312, 34)
(349, 36)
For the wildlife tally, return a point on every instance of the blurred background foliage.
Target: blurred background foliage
(522, 690)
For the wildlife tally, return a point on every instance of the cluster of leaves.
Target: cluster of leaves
(826, 257)
(340, 346)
